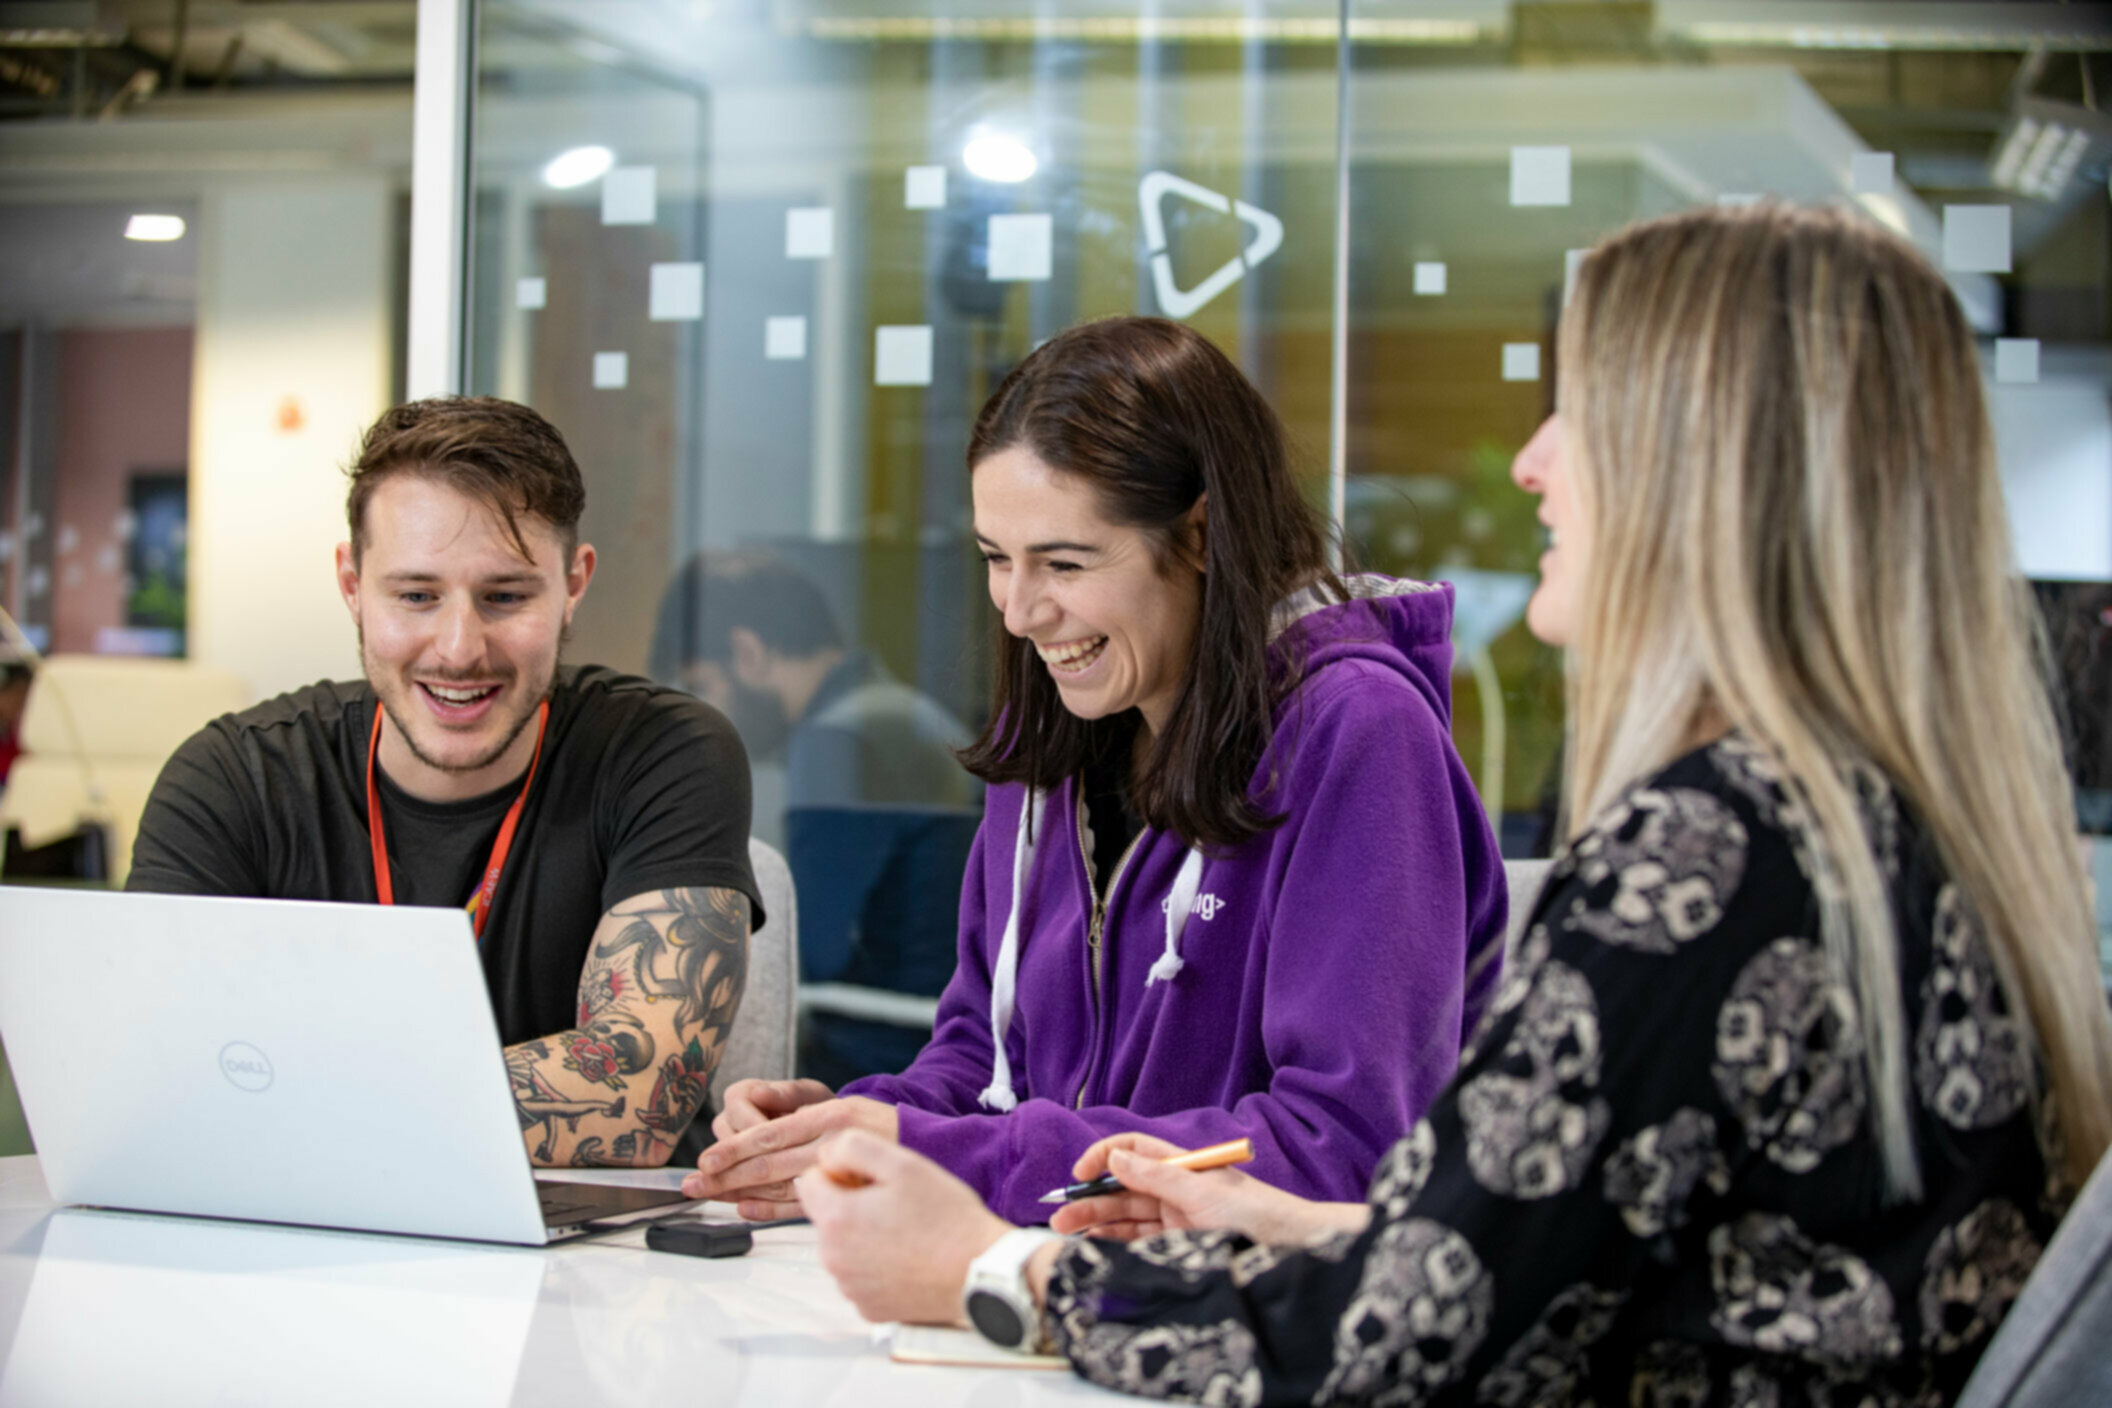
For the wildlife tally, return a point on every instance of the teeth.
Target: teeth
(1072, 654)
(457, 696)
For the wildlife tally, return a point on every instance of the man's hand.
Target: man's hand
(657, 996)
(749, 1103)
(1161, 1198)
(754, 1167)
(899, 1240)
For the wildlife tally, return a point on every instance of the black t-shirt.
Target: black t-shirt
(640, 788)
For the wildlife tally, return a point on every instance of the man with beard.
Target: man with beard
(879, 816)
(594, 825)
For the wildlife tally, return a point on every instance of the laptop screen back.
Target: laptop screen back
(332, 1065)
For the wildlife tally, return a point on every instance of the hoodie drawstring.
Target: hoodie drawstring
(1005, 982)
(1178, 904)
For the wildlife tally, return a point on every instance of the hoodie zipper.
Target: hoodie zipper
(1095, 931)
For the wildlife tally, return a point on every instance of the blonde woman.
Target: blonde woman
(1765, 1110)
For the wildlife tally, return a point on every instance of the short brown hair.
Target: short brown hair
(499, 453)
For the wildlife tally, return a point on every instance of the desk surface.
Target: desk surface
(111, 1308)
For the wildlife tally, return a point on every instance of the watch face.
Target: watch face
(995, 1320)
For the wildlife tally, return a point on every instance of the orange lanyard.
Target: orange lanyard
(479, 905)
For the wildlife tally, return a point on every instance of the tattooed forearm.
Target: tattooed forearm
(657, 998)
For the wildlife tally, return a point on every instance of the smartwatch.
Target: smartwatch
(996, 1296)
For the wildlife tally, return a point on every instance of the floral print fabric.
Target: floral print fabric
(1653, 1180)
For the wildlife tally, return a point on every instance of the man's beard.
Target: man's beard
(759, 717)
(492, 755)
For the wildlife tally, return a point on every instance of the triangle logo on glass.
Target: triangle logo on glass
(1177, 302)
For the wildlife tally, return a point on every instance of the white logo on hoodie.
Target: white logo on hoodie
(1205, 906)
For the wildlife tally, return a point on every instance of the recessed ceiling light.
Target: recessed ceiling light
(998, 156)
(577, 167)
(156, 228)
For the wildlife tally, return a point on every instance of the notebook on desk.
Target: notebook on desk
(324, 1065)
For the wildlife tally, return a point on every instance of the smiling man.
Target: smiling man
(594, 825)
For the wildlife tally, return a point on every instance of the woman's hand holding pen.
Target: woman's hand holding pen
(1160, 1197)
(766, 1137)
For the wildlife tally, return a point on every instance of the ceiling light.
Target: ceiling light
(998, 156)
(577, 167)
(156, 228)
(2047, 145)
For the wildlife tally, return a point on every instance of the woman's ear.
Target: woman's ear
(1195, 532)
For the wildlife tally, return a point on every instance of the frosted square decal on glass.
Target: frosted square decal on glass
(1870, 173)
(1429, 278)
(1521, 361)
(785, 339)
(627, 196)
(2016, 359)
(677, 293)
(924, 188)
(612, 371)
(810, 232)
(902, 355)
(531, 294)
(1572, 260)
(1020, 247)
(1539, 175)
(1976, 239)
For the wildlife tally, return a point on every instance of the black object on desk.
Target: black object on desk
(693, 1237)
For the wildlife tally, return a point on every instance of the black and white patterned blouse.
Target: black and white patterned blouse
(1654, 1180)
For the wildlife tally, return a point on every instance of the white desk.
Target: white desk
(107, 1308)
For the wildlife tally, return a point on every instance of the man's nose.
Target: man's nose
(459, 635)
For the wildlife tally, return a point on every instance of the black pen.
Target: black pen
(1238, 1151)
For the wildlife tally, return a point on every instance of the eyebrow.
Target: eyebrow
(1047, 547)
(504, 579)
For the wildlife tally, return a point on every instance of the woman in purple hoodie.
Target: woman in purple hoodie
(1201, 739)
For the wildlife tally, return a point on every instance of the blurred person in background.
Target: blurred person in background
(879, 813)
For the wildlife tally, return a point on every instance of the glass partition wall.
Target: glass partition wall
(763, 261)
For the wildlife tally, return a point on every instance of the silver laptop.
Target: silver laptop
(328, 1065)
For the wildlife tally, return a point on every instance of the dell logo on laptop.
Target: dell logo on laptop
(245, 1067)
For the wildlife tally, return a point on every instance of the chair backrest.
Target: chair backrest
(1523, 878)
(765, 1033)
(2051, 1349)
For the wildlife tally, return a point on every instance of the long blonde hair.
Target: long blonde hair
(1778, 436)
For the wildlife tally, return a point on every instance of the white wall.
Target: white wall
(293, 314)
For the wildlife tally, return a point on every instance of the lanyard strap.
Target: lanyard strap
(479, 905)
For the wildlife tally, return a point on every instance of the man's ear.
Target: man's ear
(348, 579)
(577, 576)
(751, 658)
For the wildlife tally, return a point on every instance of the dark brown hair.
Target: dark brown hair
(1153, 416)
(499, 453)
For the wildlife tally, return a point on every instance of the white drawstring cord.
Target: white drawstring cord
(1178, 905)
(1004, 982)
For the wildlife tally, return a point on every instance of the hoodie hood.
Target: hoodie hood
(1402, 625)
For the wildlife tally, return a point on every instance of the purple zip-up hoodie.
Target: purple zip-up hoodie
(1308, 989)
